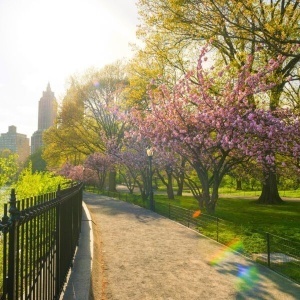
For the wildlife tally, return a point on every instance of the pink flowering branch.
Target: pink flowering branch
(215, 125)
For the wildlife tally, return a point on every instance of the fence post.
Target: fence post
(57, 277)
(217, 229)
(4, 230)
(12, 256)
(268, 250)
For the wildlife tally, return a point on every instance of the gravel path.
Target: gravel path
(140, 255)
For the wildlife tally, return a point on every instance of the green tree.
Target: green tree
(88, 122)
(235, 30)
(38, 163)
(8, 167)
(31, 183)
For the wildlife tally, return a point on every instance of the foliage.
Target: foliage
(134, 161)
(75, 173)
(38, 163)
(32, 184)
(215, 127)
(93, 171)
(100, 164)
(8, 167)
(171, 31)
(234, 28)
(87, 122)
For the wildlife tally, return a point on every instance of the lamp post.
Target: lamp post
(150, 155)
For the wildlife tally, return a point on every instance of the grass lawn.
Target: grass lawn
(282, 219)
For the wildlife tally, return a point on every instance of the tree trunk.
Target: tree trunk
(215, 194)
(168, 183)
(269, 194)
(142, 188)
(180, 186)
(206, 198)
(180, 178)
(112, 182)
(238, 184)
(170, 191)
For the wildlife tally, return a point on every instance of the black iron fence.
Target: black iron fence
(39, 236)
(279, 254)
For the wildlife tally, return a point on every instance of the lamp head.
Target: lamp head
(150, 152)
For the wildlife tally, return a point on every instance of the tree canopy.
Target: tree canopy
(87, 122)
(217, 131)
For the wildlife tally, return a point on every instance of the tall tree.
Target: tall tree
(216, 128)
(8, 167)
(88, 121)
(99, 164)
(235, 28)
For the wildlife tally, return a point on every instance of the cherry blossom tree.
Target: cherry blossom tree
(72, 172)
(99, 164)
(134, 161)
(212, 122)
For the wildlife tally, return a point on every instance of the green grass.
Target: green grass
(256, 193)
(282, 219)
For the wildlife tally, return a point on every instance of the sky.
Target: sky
(45, 41)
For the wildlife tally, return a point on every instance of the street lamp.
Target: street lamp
(150, 155)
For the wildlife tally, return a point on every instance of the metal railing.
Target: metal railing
(277, 253)
(39, 236)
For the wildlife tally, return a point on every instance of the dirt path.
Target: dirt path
(139, 255)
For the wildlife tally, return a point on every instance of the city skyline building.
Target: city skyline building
(47, 113)
(16, 142)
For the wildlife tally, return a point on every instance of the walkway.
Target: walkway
(140, 255)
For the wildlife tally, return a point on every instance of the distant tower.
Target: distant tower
(46, 117)
(47, 109)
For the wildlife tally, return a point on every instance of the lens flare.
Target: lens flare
(247, 277)
(235, 245)
(197, 213)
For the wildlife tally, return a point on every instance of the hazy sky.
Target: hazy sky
(45, 41)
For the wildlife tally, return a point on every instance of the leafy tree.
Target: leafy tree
(88, 121)
(8, 167)
(169, 166)
(31, 184)
(74, 173)
(38, 163)
(69, 140)
(235, 29)
(127, 177)
(134, 160)
(216, 128)
(101, 165)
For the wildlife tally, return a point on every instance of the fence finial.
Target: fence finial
(13, 210)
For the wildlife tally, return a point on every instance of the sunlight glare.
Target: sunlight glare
(57, 36)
